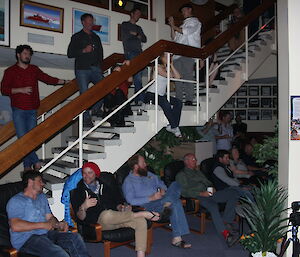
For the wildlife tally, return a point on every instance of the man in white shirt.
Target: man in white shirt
(188, 34)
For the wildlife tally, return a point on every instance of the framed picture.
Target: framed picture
(41, 16)
(254, 102)
(266, 115)
(4, 22)
(275, 102)
(253, 90)
(253, 114)
(98, 3)
(275, 90)
(242, 113)
(266, 102)
(242, 91)
(265, 91)
(101, 25)
(241, 102)
(230, 103)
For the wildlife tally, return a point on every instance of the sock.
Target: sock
(225, 233)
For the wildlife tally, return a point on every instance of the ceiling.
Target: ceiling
(7, 58)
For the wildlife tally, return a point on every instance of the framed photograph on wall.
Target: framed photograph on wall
(266, 91)
(266, 102)
(254, 102)
(230, 103)
(266, 115)
(101, 25)
(41, 16)
(4, 22)
(241, 102)
(242, 113)
(253, 90)
(242, 91)
(253, 114)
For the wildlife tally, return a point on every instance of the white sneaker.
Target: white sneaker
(177, 132)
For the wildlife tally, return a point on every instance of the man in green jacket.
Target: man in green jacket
(195, 184)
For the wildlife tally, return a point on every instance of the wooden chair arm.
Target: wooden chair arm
(98, 230)
(73, 229)
(197, 204)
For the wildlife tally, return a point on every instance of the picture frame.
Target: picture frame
(253, 114)
(4, 22)
(101, 21)
(230, 103)
(266, 102)
(266, 115)
(242, 113)
(253, 90)
(254, 102)
(241, 103)
(98, 3)
(41, 16)
(242, 91)
(266, 91)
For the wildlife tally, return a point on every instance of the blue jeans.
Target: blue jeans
(83, 78)
(137, 78)
(228, 196)
(178, 219)
(24, 121)
(55, 244)
(171, 109)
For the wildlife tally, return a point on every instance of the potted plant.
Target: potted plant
(265, 218)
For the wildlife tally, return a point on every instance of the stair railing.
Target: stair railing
(16, 151)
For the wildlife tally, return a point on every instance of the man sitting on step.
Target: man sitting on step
(95, 202)
(34, 229)
(195, 184)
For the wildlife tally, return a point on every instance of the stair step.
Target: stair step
(87, 154)
(228, 74)
(64, 167)
(210, 90)
(118, 130)
(136, 117)
(53, 182)
(235, 66)
(98, 141)
(95, 148)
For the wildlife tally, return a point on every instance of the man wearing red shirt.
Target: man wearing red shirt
(20, 83)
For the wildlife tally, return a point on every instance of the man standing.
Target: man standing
(86, 48)
(144, 188)
(95, 202)
(132, 37)
(20, 83)
(187, 34)
(195, 184)
(34, 229)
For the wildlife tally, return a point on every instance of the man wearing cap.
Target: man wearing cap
(187, 34)
(95, 202)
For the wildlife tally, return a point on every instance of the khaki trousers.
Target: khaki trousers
(110, 220)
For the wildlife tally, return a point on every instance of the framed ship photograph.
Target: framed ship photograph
(242, 113)
(242, 91)
(230, 103)
(253, 114)
(266, 91)
(241, 102)
(254, 102)
(266, 102)
(4, 22)
(266, 115)
(253, 90)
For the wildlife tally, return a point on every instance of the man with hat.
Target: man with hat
(95, 202)
(187, 34)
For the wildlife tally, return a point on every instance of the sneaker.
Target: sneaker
(232, 239)
(176, 131)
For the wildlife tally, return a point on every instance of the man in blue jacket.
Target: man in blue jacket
(144, 188)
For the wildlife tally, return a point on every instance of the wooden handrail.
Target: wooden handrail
(48, 103)
(56, 98)
(38, 135)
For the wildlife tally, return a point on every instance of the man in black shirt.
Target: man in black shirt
(86, 48)
(132, 37)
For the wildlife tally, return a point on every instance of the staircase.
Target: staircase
(110, 147)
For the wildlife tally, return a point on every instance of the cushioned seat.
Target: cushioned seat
(6, 192)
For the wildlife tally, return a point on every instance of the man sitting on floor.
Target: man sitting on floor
(144, 188)
(94, 202)
(34, 229)
(195, 184)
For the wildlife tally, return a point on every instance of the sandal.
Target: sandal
(154, 215)
(182, 244)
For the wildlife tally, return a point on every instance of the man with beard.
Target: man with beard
(20, 83)
(144, 188)
(95, 202)
(34, 229)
